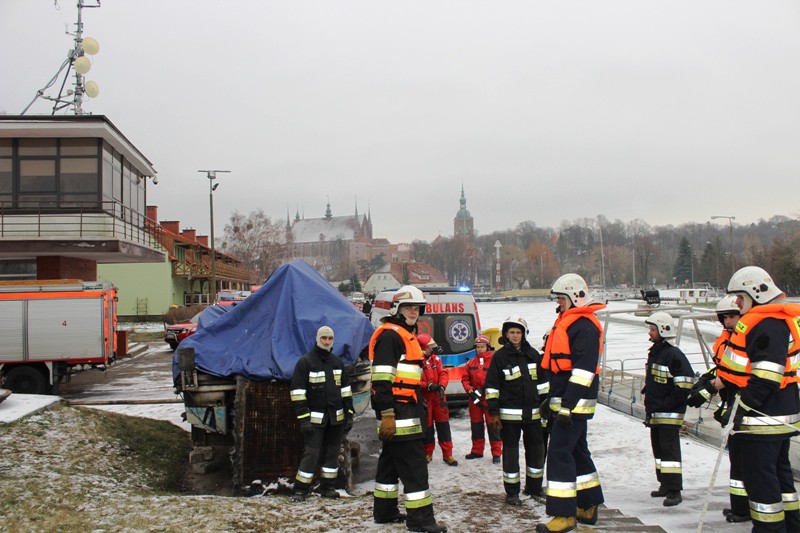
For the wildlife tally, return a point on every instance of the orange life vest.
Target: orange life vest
(557, 355)
(719, 345)
(735, 366)
(408, 372)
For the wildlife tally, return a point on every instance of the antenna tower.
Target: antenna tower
(78, 62)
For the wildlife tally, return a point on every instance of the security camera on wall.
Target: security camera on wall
(155, 180)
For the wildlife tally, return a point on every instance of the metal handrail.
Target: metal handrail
(85, 220)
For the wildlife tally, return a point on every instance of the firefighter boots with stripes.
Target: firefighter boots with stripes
(559, 524)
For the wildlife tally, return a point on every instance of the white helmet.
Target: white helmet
(407, 295)
(665, 324)
(573, 287)
(517, 321)
(756, 283)
(727, 306)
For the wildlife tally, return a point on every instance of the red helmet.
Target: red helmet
(424, 339)
(483, 339)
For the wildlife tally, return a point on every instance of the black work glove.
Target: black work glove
(305, 425)
(348, 422)
(544, 409)
(646, 420)
(722, 415)
(564, 418)
(432, 387)
(441, 392)
(696, 399)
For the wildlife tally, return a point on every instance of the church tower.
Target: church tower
(462, 224)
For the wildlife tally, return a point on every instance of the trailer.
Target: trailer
(234, 374)
(50, 329)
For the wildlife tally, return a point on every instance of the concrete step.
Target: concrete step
(614, 520)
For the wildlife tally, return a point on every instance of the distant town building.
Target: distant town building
(462, 223)
(395, 274)
(329, 241)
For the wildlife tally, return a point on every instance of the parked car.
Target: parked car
(175, 333)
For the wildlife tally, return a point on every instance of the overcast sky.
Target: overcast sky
(666, 111)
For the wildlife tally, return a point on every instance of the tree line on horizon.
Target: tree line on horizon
(610, 254)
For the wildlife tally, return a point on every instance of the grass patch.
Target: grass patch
(61, 469)
(155, 446)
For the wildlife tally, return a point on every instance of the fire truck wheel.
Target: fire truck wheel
(26, 380)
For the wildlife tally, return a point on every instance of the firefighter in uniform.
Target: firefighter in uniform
(703, 390)
(515, 387)
(474, 380)
(399, 407)
(572, 353)
(669, 378)
(323, 403)
(434, 381)
(760, 365)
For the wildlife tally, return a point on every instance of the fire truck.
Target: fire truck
(49, 329)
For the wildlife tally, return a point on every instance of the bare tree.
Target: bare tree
(259, 243)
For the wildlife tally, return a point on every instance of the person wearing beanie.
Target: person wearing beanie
(323, 404)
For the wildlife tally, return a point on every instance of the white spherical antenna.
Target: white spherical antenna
(91, 89)
(82, 65)
(91, 46)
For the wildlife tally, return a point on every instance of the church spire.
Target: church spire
(328, 213)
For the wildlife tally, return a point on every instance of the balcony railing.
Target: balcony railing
(92, 220)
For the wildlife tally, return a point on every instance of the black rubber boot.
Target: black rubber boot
(429, 528)
(660, 493)
(513, 499)
(735, 518)
(673, 498)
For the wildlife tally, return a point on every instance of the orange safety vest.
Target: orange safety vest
(409, 368)
(719, 345)
(735, 366)
(557, 355)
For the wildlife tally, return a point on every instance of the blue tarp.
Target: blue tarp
(263, 336)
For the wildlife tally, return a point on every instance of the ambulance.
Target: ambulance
(451, 319)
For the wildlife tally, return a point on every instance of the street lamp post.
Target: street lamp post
(212, 175)
(730, 224)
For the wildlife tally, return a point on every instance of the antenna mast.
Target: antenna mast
(76, 60)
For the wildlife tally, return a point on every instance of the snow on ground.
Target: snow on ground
(620, 445)
(18, 405)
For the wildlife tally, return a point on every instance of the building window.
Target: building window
(12, 269)
(6, 178)
(69, 174)
(37, 183)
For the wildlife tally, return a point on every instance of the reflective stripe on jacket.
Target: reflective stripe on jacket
(515, 383)
(396, 374)
(735, 365)
(667, 383)
(319, 388)
(573, 371)
(760, 364)
(407, 374)
(557, 350)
